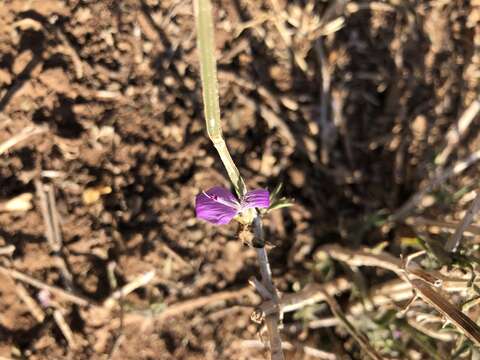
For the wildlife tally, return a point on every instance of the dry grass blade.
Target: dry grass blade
(32, 305)
(21, 136)
(136, 283)
(454, 242)
(48, 206)
(323, 323)
(64, 328)
(189, 305)
(365, 257)
(50, 217)
(70, 50)
(457, 131)
(433, 333)
(285, 34)
(327, 129)
(468, 327)
(307, 350)
(439, 178)
(444, 225)
(65, 295)
(391, 292)
(361, 339)
(273, 120)
(352, 7)
(318, 354)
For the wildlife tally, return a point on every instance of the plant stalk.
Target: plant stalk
(208, 69)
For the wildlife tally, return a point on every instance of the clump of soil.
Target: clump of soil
(114, 88)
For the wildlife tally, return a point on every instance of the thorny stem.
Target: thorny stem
(272, 320)
(208, 69)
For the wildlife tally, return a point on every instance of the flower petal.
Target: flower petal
(222, 194)
(259, 198)
(217, 206)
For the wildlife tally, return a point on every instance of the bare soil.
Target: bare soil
(116, 86)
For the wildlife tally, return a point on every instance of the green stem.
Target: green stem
(208, 69)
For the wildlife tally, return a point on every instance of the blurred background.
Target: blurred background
(354, 106)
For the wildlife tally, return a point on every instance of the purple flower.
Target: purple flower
(218, 205)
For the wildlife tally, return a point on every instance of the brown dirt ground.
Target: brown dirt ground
(116, 84)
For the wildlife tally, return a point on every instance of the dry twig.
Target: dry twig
(48, 206)
(50, 215)
(440, 176)
(32, 305)
(327, 128)
(307, 350)
(64, 328)
(361, 339)
(65, 295)
(454, 242)
(420, 284)
(445, 225)
(365, 257)
(186, 306)
(136, 283)
(23, 135)
(70, 50)
(457, 131)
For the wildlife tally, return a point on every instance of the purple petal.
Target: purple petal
(222, 194)
(217, 206)
(259, 198)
